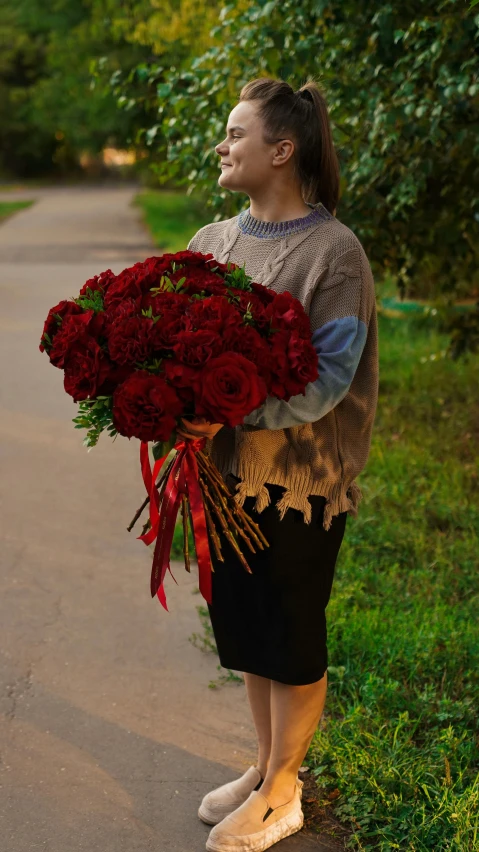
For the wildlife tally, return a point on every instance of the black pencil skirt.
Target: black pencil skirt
(273, 622)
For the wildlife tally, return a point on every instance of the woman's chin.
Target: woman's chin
(228, 184)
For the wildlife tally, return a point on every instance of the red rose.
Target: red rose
(75, 328)
(162, 303)
(130, 340)
(213, 314)
(183, 379)
(195, 348)
(166, 330)
(120, 311)
(145, 407)
(86, 369)
(154, 265)
(115, 376)
(98, 282)
(65, 308)
(250, 303)
(303, 359)
(248, 342)
(136, 280)
(295, 364)
(287, 312)
(199, 280)
(199, 259)
(264, 295)
(192, 258)
(126, 286)
(228, 388)
(208, 288)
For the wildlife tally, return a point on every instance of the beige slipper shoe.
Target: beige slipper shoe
(225, 799)
(255, 826)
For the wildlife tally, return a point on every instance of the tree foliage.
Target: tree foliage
(174, 31)
(402, 83)
(51, 108)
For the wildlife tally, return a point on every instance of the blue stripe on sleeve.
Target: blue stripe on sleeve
(339, 345)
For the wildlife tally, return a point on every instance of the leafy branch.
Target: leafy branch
(169, 286)
(153, 366)
(248, 318)
(95, 415)
(92, 300)
(149, 314)
(238, 278)
(47, 341)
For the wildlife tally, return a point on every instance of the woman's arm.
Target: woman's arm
(339, 345)
(340, 311)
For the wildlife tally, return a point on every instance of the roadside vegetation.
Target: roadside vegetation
(8, 208)
(172, 217)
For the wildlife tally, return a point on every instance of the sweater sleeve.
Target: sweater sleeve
(340, 309)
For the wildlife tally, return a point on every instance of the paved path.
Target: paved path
(109, 734)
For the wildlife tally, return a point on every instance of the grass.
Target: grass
(396, 754)
(8, 208)
(172, 217)
(401, 733)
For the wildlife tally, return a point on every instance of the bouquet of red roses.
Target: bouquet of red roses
(180, 335)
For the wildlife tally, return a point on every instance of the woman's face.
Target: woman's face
(247, 163)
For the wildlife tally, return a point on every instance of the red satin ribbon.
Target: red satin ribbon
(182, 479)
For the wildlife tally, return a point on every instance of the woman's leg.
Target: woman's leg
(295, 715)
(259, 696)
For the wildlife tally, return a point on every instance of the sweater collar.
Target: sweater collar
(248, 224)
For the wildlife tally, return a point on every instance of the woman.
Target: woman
(292, 463)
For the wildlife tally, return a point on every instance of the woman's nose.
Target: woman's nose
(220, 147)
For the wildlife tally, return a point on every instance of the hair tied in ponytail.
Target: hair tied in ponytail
(305, 95)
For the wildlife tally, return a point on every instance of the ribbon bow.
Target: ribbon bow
(182, 479)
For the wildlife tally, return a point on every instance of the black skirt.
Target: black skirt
(273, 622)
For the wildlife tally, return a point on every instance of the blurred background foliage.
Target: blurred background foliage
(51, 109)
(159, 78)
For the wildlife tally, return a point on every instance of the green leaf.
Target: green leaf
(267, 9)
(92, 300)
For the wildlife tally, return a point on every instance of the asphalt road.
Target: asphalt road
(109, 734)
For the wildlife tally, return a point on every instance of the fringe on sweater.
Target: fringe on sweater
(346, 501)
(340, 497)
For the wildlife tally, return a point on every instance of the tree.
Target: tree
(403, 90)
(51, 107)
(173, 31)
(24, 146)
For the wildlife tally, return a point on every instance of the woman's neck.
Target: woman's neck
(278, 209)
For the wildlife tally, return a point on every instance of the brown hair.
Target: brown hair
(304, 116)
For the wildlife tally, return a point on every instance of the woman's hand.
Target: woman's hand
(198, 428)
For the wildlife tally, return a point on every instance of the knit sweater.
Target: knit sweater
(317, 443)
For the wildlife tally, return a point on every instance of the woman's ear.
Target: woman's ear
(284, 151)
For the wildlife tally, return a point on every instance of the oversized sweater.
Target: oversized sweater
(317, 443)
